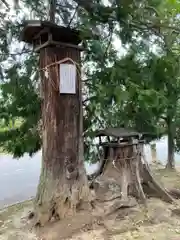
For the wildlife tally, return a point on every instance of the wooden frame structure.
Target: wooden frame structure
(42, 34)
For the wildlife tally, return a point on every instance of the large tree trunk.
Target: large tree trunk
(63, 184)
(170, 160)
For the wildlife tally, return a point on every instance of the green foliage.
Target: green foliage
(139, 89)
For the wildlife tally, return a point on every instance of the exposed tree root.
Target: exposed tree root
(57, 199)
(62, 198)
(133, 176)
(120, 204)
(174, 193)
(153, 185)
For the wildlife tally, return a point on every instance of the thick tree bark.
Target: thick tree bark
(128, 167)
(170, 160)
(63, 184)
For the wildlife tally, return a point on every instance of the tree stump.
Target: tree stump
(126, 163)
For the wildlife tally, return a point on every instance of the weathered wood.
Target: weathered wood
(59, 33)
(154, 185)
(117, 144)
(126, 163)
(174, 193)
(150, 182)
(55, 43)
(61, 112)
(63, 183)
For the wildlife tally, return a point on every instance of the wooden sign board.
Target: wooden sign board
(67, 79)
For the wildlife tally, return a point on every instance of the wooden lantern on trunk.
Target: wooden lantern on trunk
(61, 116)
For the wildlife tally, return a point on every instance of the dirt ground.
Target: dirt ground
(159, 220)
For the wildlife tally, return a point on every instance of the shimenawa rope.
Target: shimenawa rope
(64, 60)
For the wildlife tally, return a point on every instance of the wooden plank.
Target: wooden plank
(58, 44)
(119, 145)
(44, 30)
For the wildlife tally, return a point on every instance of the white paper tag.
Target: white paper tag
(67, 78)
(46, 73)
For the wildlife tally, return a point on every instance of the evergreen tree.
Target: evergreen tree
(119, 90)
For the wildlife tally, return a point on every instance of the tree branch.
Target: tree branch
(52, 10)
(16, 54)
(87, 5)
(5, 3)
(110, 40)
(89, 99)
(73, 16)
(90, 7)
